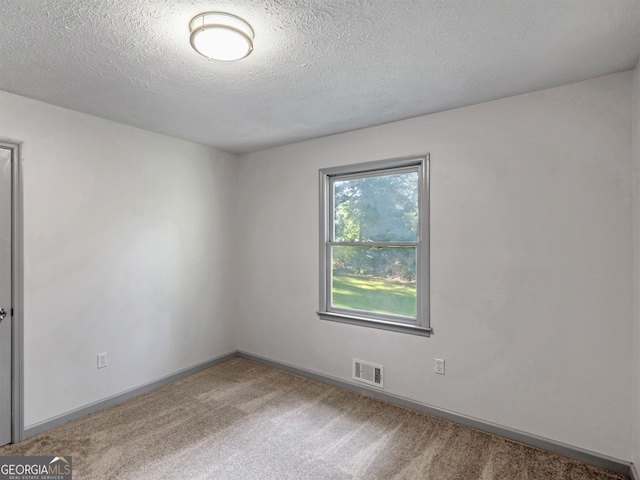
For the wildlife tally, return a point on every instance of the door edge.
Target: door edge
(17, 298)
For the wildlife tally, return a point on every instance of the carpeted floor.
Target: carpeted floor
(243, 420)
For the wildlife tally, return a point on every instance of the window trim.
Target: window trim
(421, 326)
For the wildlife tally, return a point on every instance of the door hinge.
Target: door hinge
(12, 311)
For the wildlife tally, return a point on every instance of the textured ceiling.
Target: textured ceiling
(319, 66)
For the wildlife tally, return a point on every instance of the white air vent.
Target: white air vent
(367, 372)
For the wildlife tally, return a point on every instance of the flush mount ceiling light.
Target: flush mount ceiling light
(221, 36)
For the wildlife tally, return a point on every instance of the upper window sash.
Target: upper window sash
(387, 172)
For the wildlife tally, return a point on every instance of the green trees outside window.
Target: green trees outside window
(383, 211)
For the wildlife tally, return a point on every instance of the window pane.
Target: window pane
(376, 209)
(374, 279)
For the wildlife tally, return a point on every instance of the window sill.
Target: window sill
(380, 324)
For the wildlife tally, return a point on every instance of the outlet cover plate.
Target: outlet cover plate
(102, 360)
(439, 366)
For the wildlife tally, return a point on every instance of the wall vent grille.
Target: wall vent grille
(367, 372)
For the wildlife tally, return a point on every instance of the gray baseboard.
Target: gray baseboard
(633, 474)
(120, 397)
(576, 453)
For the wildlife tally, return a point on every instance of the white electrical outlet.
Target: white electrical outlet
(102, 360)
(439, 366)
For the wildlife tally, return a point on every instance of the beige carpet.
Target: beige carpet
(243, 420)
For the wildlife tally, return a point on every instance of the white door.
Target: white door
(5, 295)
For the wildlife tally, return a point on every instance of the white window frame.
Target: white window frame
(416, 326)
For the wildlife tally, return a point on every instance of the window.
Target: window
(374, 252)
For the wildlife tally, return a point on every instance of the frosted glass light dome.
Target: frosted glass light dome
(221, 36)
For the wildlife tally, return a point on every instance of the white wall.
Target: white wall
(128, 249)
(531, 254)
(636, 267)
